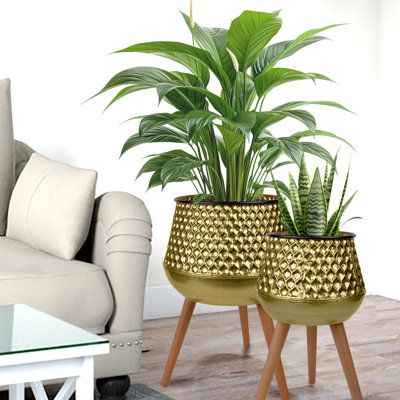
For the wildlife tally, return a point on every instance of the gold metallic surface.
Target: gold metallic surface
(311, 281)
(217, 292)
(215, 249)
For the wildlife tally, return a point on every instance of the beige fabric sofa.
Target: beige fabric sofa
(102, 290)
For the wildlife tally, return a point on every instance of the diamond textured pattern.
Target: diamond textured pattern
(221, 239)
(308, 269)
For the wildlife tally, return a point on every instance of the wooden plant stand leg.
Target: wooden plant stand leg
(244, 322)
(268, 328)
(181, 329)
(342, 345)
(312, 353)
(274, 353)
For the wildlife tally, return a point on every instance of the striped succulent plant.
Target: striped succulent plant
(310, 201)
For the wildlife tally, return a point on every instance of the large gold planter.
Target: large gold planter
(215, 250)
(311, 281)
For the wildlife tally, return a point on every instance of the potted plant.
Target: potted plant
(226, 149)
(311, 275)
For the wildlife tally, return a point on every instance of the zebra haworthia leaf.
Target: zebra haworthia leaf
(286, 218)
(328, 183)
(303, 184)
(316, 217)
(296, 205)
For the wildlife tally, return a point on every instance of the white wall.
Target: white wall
(381, 155)
(56, 55)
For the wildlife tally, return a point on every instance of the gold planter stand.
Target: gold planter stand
(311, 281)
(214, 255)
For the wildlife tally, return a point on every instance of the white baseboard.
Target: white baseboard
(165, 301)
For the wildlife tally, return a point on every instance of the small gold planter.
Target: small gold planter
(215, 249)
(311, 280)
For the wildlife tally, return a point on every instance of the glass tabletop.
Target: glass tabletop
(25, 329)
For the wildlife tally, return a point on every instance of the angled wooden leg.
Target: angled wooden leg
(342, 345)
(273, 357)
(268, 328)
(244, 322)
(312, 353)
(181, 329)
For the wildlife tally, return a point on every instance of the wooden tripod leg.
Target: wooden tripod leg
(342, 345)
(312, 353)
(268, 328)
(181, 329)
(274, 353)
(244, 322)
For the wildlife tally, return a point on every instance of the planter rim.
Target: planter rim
(341, 236)
(269, 199)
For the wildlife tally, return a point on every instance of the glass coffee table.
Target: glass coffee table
(35, 347)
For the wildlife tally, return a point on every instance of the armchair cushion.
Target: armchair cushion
(51, 206)
(6, 153)
(74, 291)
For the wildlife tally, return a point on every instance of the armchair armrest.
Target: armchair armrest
(119, 241)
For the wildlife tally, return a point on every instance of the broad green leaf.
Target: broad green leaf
(178, 168)
(151, 121)
(245, 120)
(317, 150)
(281, 164)
(157, 135)
(128, 90)
(202, 197)
(266, 119)
(292, 148)
(219, 36)
(315, 218)
(157, 161)
(250, 33)
(275, 77)
(303, 116)
(202, 38)
(270, 52)
(295, 104)
(243, 93)
(296, 42)
(217, 102)
(222, 150)
(281, 186)
(318, 132)
(258, 191)
(170, 48)
(198, 119)
(143, 77)
(268, 157)
(213, 40)
(232, 140)
(196, 67)
(155, 179)
(303, 184)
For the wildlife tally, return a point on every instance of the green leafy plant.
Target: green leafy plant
(230, 149)
(309, 203)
